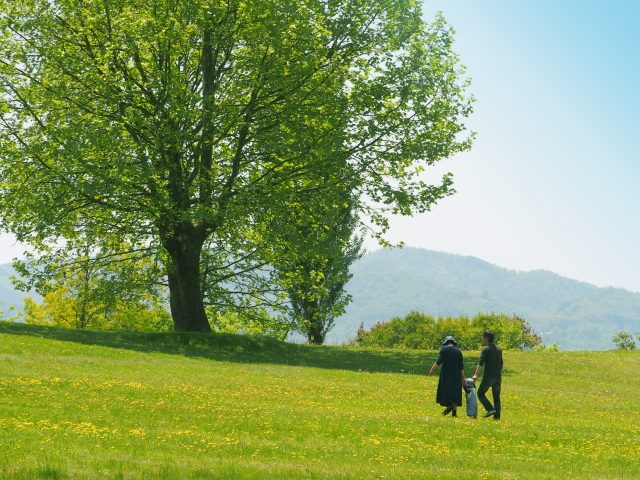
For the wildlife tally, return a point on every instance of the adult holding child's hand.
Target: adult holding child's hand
(452, 376)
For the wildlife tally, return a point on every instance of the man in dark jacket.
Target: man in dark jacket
(491, 360)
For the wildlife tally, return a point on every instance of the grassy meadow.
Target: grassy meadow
(82, 404)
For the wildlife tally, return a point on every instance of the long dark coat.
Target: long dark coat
(450, 382)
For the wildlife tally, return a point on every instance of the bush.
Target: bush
(624, 340)
(417, 330)
(550, 348)
(60, 308)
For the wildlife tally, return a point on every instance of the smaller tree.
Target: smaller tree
(319, 297)
(318, 243)
(623, 341)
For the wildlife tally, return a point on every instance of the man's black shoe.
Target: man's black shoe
(489, 413)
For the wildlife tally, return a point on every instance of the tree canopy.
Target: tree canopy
(175, 125)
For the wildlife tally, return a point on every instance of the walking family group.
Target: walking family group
(452, 377)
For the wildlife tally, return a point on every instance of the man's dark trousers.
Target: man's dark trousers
(495, 384)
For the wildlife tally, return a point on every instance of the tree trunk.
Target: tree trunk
(183, 272)
(315, 335)
(315, 326)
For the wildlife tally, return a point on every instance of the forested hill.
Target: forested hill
(388, 283)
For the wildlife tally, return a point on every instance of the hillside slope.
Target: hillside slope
(577, 315)
(78, 405)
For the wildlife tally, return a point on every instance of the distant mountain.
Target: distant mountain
(388, 283)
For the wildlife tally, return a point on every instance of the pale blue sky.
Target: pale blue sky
(553, 179)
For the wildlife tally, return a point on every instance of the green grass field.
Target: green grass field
(76, 404)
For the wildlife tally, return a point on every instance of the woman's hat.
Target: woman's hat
(449, 338)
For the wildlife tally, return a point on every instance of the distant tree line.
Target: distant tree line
(421, 331)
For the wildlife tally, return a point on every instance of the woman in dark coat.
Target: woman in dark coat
(451, 376)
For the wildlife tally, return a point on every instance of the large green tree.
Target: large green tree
(172, 123)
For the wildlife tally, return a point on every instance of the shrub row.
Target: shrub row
(417, 330)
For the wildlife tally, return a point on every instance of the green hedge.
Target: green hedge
(417, 330)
